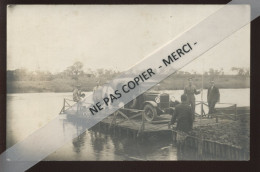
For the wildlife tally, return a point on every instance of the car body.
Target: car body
(154, 104)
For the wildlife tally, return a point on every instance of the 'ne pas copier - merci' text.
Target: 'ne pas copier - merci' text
(136, 81)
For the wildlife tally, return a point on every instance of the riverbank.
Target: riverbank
(224, 138)
(171, 83)
(95, 147)
(235, 133)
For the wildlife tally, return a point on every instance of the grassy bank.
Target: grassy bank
(236, 133)
(174, 82)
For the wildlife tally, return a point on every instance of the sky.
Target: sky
(53, 37)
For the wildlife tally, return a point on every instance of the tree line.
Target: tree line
(75, 72)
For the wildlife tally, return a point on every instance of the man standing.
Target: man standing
(77, 93)
(212, 97)
(190, 90)
(183, 115)
(97, 92)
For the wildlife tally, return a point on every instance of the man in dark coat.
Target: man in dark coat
(183, 115)
(212, 97)
(190, 91)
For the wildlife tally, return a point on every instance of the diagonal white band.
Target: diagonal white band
(150, 71)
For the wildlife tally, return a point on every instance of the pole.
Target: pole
(201, 140)
(202, 86)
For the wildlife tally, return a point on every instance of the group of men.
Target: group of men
(185, 112)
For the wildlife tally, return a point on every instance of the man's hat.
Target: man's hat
(190, 78)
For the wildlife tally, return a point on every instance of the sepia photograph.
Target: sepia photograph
(62, 60)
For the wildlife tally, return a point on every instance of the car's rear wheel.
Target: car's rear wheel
(150, 112)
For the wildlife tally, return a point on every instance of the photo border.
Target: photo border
(252, 164)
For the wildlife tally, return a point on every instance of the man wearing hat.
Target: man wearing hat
(212, 97)
(190, 91)
(77, 93)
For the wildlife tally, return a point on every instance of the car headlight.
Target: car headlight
(157, 99)
(172, 98)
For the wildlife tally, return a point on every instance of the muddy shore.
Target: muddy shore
(227, 131)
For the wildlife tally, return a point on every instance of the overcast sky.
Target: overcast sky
(53, 37)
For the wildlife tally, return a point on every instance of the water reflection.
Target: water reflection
(78, 143)
(28, 112)
(108, 145)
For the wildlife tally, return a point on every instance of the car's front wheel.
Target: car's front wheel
(150, 112)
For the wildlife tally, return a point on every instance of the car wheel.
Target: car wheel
(150, 112)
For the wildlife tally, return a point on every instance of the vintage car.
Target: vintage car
(154, 104)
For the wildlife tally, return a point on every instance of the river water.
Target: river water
(27, 112)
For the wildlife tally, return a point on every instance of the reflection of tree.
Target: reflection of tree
(116, 144)
(79, 142)
(127, 147)
(98, 142)
(80, 126)
(131, 148)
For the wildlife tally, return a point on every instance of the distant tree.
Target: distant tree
(187, 73)
(215, 72)
(41, 75)
(211, 72)
(90, 72)
(21, 74)
(194, 72)
(247, 73)
(25, 75)
(206, 73)
(222, 71)
(10, 75)
(66, 73)
(110, 73)
(75, 70)
(242, 72)
(100, 71)
(181, 73)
